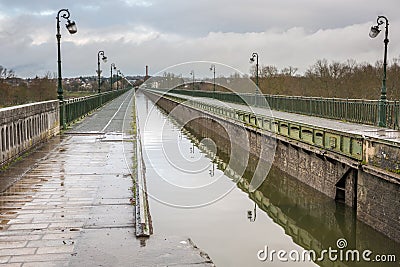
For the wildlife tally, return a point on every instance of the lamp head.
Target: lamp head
(252, 59)
(374, 31)
(104, 58)
(71, 27)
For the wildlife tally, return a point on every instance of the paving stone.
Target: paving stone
(17, 251)
(12, 244)
(40, 258)
(61, 236)
(46, 264)
(50, 243)
(4, 259)
(27, 226)
(9, 237)
(59, 249)
(12, 265)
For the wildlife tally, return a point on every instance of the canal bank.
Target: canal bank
(289, 214)
(73, 204)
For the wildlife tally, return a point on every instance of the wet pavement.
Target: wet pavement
(70, 202)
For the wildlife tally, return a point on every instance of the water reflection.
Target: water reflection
(252, 215)
(312, 220)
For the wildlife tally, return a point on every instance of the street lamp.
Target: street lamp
(192, 73)
(255, 55)
(118, 72)
(104, 58)
(122, 80)
(71, 27)
(111, 77)
(382, 102)
(213, 68)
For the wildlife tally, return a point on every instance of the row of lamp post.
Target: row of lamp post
(373, 33)
(72, 29)
(112, 67)
(212, 68)
(253, 58)
(118, 72)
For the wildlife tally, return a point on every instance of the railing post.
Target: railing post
(62, 115)
(396, 115)
(382, 112)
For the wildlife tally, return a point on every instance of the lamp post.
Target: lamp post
(122, 80)
(111, 77)
(255, 55)
(211, 69)
(382, 102)
(71, 27)
(192, 73)
(104, 58)
(117, 79)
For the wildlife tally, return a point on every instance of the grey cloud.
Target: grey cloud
(160, 33)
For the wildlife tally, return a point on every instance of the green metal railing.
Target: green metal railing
(348, 144)
(78, 107)
(350, 110)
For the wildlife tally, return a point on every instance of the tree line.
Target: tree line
(348, 79)
(17, 91)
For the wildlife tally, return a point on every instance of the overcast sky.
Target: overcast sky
(161, 33)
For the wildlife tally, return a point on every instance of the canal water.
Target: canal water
(193, 193)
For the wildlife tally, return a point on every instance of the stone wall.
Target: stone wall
(24, 126)
(385, 155)
(317, 171)
(378, 202)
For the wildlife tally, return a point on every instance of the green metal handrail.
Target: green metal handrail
(348, 144)
(350, 110)
(76, 108)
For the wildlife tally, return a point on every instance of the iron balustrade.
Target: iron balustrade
(348, 144)
(76, 108)
(349, 110)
